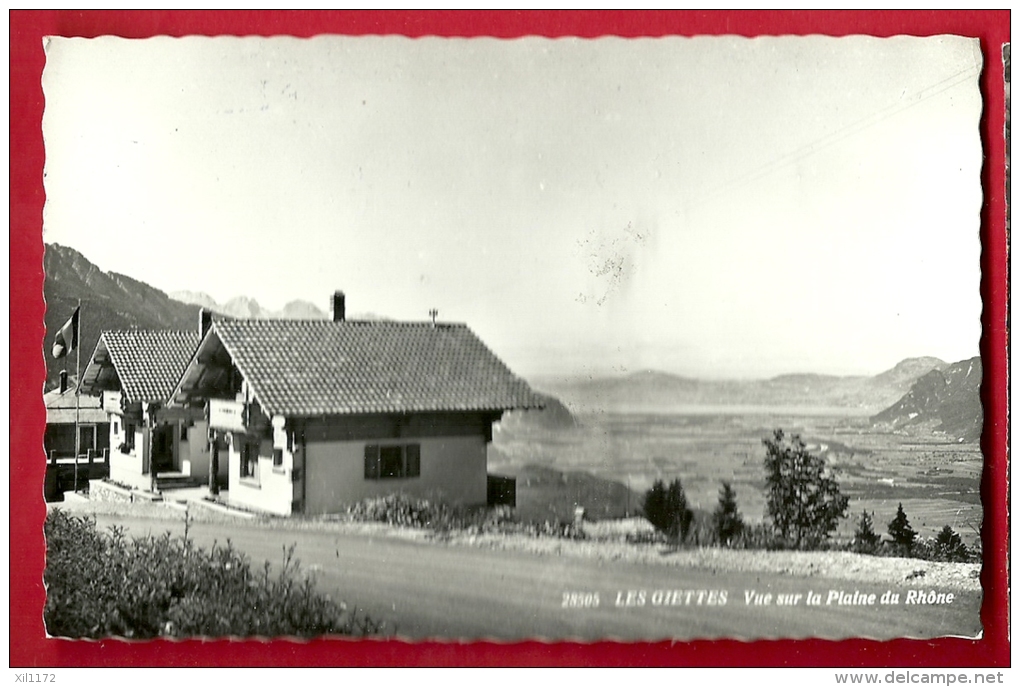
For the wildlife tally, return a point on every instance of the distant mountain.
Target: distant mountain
(302, 310)
(109, 301)
(949, 398)
(248, 308)
(198, 298)
(906, 372)
(659, 391)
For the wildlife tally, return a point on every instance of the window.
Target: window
(277, 457)
(249, 461)
(129, 436)
(184, 432)
(116, 427)
(392, 462)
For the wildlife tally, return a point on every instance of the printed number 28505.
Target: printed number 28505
(580, 600)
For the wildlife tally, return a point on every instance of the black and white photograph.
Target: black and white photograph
(472, 339)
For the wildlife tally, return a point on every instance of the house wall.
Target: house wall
(323, 464)
(128, 468)
(193, 449)
(271, 489)
(453, 470)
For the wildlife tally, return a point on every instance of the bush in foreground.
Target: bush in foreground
(105, 584)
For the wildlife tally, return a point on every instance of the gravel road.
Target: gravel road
(516, 587)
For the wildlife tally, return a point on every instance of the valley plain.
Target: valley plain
(606, 461)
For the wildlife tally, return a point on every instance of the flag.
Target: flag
(67, 336)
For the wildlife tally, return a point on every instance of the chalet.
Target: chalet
(61, 417)
(135, 372)
(318, 414)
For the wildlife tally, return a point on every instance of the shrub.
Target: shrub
(400, 510)
(903, 535)
(101, 585)
(726, 518)
(758, 537)
(666, 508)
(645, 537)
(802, 500)
(406, 511)
(866, 540)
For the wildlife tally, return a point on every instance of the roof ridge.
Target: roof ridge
(186, 332)
(280, 320)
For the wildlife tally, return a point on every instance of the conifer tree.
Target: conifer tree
(950, 547)
(726, 518)
(679, 516)
(902, 533)
(655, 504)
(666, 508)
(866, 540)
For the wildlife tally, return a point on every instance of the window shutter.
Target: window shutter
(371, 462)
(413, 460)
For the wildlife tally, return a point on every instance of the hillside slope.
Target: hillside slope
(950, 399)
(109, 301)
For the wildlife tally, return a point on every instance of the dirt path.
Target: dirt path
(424, 589)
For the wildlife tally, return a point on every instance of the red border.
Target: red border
(28, 645)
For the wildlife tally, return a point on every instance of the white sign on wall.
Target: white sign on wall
(227, 415)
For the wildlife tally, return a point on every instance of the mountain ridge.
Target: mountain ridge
(949, 399)
(649, 390)
(248, 308)
(109, 301)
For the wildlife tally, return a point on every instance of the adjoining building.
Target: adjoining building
(92, 421)
(315, 415)
(135, 371)
(66, 469)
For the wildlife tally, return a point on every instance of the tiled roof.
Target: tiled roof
(149, 363)
(320, 367)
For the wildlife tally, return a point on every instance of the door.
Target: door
(86, 439)
(163, 448)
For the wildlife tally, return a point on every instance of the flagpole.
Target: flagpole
(76, 339)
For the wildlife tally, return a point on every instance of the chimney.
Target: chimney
(338, 307)
(63, 381)
(204, 322)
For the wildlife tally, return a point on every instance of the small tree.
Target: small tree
(902, 533)
(950, 547)
(866, 540)
(666, 508)
(679, 515)
(803, 500)
(726, 518)
(655, 504)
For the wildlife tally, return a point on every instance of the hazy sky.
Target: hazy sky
(712, 206)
